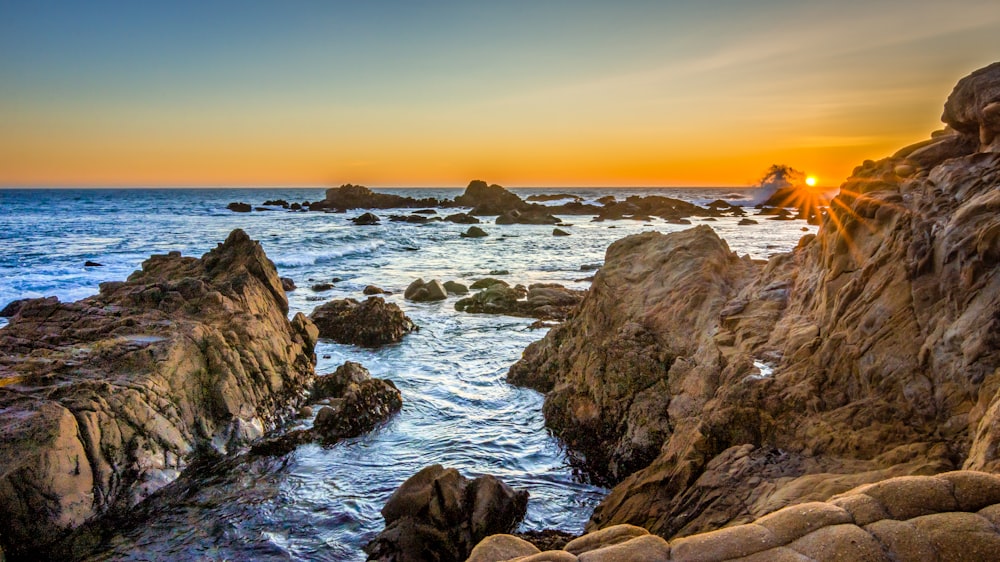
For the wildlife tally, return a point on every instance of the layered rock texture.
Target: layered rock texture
(105, 400)
(439, 515)
(717, 390)
(953, 516)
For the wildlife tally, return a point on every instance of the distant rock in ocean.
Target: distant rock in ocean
(188, 354)
(715, 389)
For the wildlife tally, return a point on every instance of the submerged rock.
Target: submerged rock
(237, 207)
(542, 301)
(370, 323)
(455, 288)
(439, 515)
(462, 218)
(540, 215)
(107, 399)
(366, 219)
(288, 284)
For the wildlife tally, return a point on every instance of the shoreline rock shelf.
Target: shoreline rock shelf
(114, 394)
(881, 332)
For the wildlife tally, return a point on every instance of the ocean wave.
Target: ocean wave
(308, 258)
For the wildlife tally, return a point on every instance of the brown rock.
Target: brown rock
(454, 513)
(646, 548)
(187, 354)
(501, 547)
(371, 323)
(425, 291)
(604, 537)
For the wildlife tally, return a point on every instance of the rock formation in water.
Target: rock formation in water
(543, 301)
(370, 323)
(105, 400)
(439, 515)
(721, 389)
(488, 199)
(360, 197)
(952, 516)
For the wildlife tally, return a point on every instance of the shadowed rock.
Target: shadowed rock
(439, 515)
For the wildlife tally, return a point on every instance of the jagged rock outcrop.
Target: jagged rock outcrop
(105, 400)
(606, 369)
(350, 196)
(953, 516)
(871, 351)
(488, 199)
(370, 323)
(439, 515)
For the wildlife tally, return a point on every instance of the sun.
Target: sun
(811, 181)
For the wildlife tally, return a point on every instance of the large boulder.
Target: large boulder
(488, 199)
(370, 323)
(870, 351)
(439, 515)
(105, 400)
(973, 108)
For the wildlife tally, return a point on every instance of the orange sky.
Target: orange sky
(639, 94)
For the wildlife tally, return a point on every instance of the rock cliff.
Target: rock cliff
(871, 351)
(105, 400)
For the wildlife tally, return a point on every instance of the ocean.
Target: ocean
(323, 503)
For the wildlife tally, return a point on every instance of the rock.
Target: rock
(371, 323)
(554, 197)
(488, 199)
(320, 287)
(462, 218)
(89, 263)
(528, 216)
(360, 197)
(559, 232)
(373, 290)
(14, 307)
(455, 288)
(501, 547)
(277, 203)
(362, 407)
(239, 207)
(486, 283)
(746, 222)
(425, 291)
(623, 340)
(932, 527)
(365, 219)
(288, 284)
(547, 302)
(305, 412)
(474, 232)
(591, 266)
(971, 108)
(438, 514)
(335, 384)
(187, 355)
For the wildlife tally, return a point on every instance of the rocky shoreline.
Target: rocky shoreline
(841, 401)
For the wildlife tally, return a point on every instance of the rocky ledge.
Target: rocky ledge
(105, 400)
(718, 390)
(952, 516)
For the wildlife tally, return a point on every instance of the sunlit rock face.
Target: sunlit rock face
(107, 399)
(880, 337)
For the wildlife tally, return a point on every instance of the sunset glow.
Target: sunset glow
(811, 181)
(524, 94)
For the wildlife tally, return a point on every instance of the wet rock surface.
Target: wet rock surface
(542, 301)
(440, 515)
(722, 389)
(105, 400)
(370, 323)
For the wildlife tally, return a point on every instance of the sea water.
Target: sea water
(323, 503)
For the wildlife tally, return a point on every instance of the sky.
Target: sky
(521, 93)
